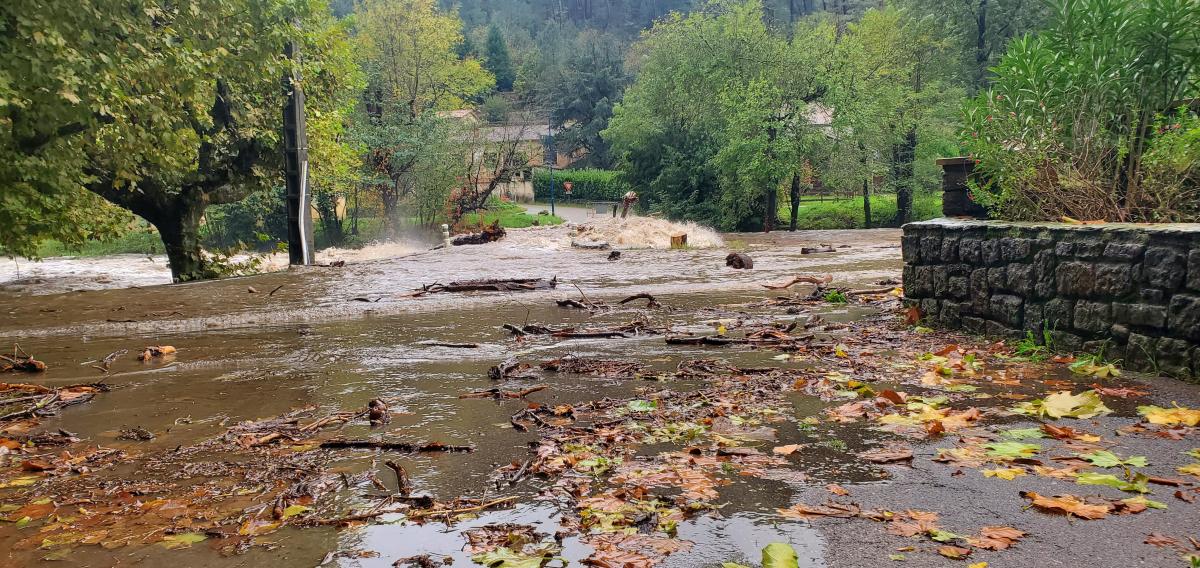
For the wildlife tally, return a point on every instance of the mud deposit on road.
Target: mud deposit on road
(800, 421)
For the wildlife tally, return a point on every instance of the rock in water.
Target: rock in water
(739, 260)
(614, 255)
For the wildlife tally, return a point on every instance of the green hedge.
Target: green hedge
(589, 185)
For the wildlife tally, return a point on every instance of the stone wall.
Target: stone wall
(1131, 290)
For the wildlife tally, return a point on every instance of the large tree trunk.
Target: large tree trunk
(772, 206)
(982, 53)
(178, 223)
(866, 204)
(794, 197)
(903, 155)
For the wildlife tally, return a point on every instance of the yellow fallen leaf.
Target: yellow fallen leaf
(1008, 473)
(786, 450)
(1190, 469)
(1177, 416)
(839, 351)
(978, 565)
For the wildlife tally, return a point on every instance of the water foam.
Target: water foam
(648, 232)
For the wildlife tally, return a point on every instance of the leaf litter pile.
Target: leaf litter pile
(627, 472)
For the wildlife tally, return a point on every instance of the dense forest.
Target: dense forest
(727, 112)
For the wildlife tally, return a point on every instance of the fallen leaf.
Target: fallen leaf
(888, 455)
(1068, 505)
(996, 538)
(1004, 473)
(1105, 458)
(1011, 450)
(1122, 392)
(1190, 469)
(786, 450)
(1177, 416)
(837, 489)
(182, 540)
(779, 555)
(954, 552)
(802, 511)
(1138, 484)
(1157, 539)
(1063, 404)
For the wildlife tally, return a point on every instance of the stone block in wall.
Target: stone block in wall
(1152, 295)
(1034, 317)
(1196, 362)
(1183, 316)
(1142, 315)
(1193, 278)
(1044, 268)
(1064, 249)
(998, 329)
(922, 282)
(1058, 314)
(931, 248)
(974, 324)
(1120, 332)
(1173, 356)
(1066, 341)
(1089, 249)
(979, 289)
(1076, 279)
(958, 287)
(997, 280)
(1015, 249)
(970, 250)
(1124, 252)
(1094, 317)
(1165, 268)
(910, 248)
(1113, 280)
(930, 308)
(1105, 347)
(949, 251)
(1140, 351)
(951, 315)
(1018, 278)
(1008, 309)
(991, 252)
(909, 280)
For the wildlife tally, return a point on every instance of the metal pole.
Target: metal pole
(295, 154)
(551, 156)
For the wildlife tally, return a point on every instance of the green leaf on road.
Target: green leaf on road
(1105, 458)
(1012, 450)
(779, 555)
(642, 405)
(1137, 485)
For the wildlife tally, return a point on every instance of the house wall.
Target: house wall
(1133, 290)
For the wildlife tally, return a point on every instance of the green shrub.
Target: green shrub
(848, 213)
(589, 184)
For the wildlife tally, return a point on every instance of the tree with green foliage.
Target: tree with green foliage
(408, 53)
(580, 91)
(499, 62)
(1073, 122)
(159, 108)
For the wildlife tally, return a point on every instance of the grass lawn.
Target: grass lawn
(141, 240)
(847, 213)
(511, 216)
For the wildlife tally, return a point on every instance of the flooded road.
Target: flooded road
(335, 338)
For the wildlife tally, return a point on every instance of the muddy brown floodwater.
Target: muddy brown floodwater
(336, 338)
(249, 355)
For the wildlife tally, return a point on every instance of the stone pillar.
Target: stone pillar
(956, 200)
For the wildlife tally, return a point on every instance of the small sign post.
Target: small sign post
(567, 185)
